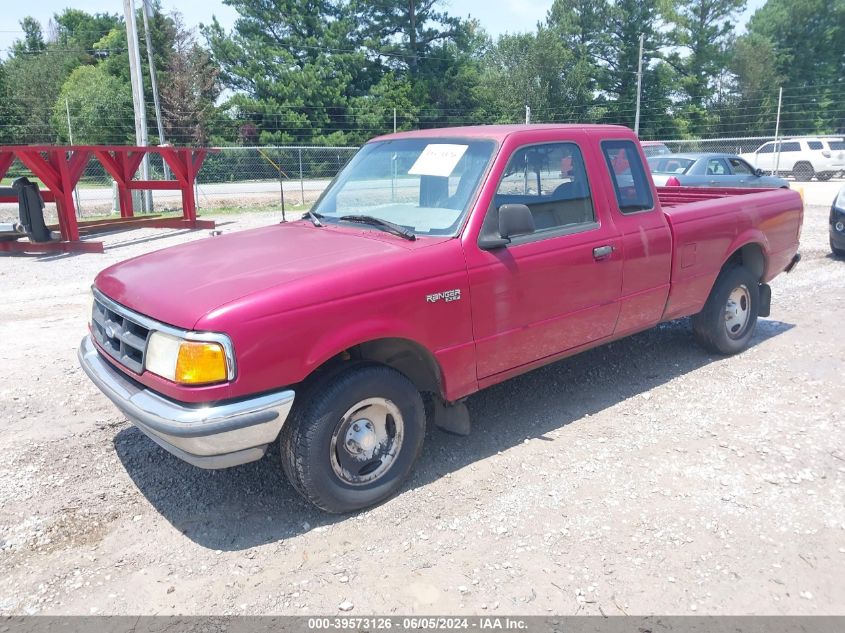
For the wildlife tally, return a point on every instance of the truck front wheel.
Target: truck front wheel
(726, 324)
(354, 438)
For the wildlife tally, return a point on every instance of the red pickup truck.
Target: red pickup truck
(437, 263)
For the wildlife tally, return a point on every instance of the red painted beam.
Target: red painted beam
(155, 185)
(75, 246)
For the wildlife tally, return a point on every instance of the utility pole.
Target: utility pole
(527, 114)
(777, 132)
(137, 90)
(154, 80)
(394, 120)
(639, 85)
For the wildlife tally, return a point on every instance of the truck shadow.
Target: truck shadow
(251, 505)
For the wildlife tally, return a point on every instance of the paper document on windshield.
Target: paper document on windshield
(438, 159)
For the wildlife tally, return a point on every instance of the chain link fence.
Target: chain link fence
(737, 145)
(269, 177)
(231, 178)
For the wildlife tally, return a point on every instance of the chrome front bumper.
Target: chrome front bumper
(206, 436)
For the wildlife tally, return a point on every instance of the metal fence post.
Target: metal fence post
(301, 182)
(282, 191)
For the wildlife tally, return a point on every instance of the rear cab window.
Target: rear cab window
(630, 183)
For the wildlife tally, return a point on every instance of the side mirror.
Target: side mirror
(758, 172)
(514, 220)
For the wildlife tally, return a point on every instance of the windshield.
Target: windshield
(669, 165)
(425, 185)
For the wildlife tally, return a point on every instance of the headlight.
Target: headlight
(840, 226)
(89, 303)
(185, 361)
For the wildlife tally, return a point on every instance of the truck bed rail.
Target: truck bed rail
(674, 196)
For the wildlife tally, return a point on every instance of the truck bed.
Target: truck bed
(709, 225)
(675, 196)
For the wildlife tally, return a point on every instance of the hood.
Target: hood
(181, 284)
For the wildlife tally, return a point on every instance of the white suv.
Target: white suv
(802, 157)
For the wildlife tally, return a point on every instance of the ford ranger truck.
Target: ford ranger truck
(437, 263)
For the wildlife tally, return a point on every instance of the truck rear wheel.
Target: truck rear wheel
(354, 439)
(726, 323)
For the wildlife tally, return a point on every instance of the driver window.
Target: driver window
(551, 181)
(740, 167)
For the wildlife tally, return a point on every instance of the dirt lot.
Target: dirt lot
(643, 477)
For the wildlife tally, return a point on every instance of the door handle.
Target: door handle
(602, 252)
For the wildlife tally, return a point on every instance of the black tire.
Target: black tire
(712, 326)
(837, 252)
(803, 171)
(824, 176)
(312, 447)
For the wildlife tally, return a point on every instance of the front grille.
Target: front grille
(121, 337)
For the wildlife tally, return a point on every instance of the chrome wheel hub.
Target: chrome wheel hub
(366, 441)
(737, 311)
(361, 438)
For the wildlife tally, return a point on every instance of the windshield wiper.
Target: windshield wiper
(388, 226)
(314, 217)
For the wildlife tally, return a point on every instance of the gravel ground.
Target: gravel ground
(641, 477)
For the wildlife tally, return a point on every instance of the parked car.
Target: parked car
(837, 224)
(438, 262)
(801, 157)
(709, 170)
(655, 148)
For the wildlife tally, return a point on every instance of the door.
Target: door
(717, 173)
(554, 289)
(765, 157)
(742, 174)
(644, 235)
(790, 154)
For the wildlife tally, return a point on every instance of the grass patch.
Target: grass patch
(253, 208)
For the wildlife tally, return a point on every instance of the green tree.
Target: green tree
(189, 90)
(538, 70)
(405, 32)
(291, 66)
(700, 33)
(750, 104)
(33, 83)
(447, 86)
(33, 38)
(100, 108)
(808, 42)
(618, 51)
(10, 114)
(373, 113)
(581, 25)
(78, 31)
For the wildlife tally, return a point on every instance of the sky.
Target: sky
(497, 17)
